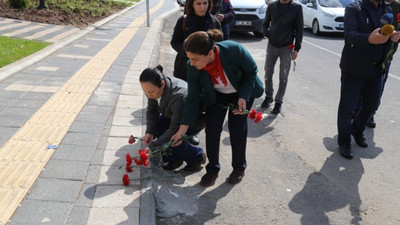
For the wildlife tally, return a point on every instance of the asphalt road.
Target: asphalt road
(295, 174)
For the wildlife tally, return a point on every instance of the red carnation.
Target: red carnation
(128, 159)
(146, 163)
(144, 157)
(125, 179)
(258, 117)
(137, 161)
(131, 139)
(291, 46)
(398, 18)
(128, 168)
(252, 114)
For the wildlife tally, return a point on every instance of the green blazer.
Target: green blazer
(241, 70)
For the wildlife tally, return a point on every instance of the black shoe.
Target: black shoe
(345, 151)
(266, 103)
(208, 179)
(371, 123)
(235, 177)
(197, 165)
(359, 138)
(277, 108)
(194, 140)
(172, 165)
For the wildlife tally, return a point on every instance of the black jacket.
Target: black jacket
(224, 7)
(281, 28)
(359, 57)
(185, 26)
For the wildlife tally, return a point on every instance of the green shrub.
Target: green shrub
(18, 4)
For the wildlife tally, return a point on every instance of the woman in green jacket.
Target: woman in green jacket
(220, 74)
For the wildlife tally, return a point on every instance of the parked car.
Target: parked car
(249, 16)
(181, 2)
(324, 15)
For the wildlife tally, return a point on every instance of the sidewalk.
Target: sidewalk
(65, 118)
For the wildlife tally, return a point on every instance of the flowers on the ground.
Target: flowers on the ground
(125, 179)
(291, 47)
(144, 156)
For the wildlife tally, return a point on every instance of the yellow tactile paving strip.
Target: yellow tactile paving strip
(23, 157)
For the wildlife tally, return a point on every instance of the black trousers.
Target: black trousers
(237, 125)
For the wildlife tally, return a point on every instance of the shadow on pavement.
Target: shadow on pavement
(333, 187)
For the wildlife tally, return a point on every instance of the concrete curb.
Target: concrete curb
(17, 66)
(147, 213)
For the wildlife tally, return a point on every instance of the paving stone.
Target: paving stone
(93, 174)
(97, 158)
(34, 104)
(87, 127)
(81, 139)
(115, 143)
(78, 216)
(35, 212)
(86, 195)
(55, 190)
(38, 96)
(74, 152)
(6, 134)
(63, 169)
(16, 121)
(123, 131)
(126, 121)
(107, 216)
(117, 196)
(7, 101)
(112, 175)
(19, 111)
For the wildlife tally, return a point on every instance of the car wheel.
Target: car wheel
(315, 27)
(258, 34)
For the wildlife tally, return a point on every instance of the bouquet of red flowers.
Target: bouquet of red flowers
(144, 155)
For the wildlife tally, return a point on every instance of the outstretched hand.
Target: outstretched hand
(241, 107)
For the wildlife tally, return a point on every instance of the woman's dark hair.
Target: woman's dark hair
(153, 75)
(201, 42)
(189, 10)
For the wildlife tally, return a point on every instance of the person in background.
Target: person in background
(395, 5)
(361, 71)
(164, 111)
(221, 73)
(197, 17)
(283, 24)
(224, 12)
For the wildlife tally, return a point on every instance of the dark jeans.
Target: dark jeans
(351, 91)
(384, 79)
(185, 151)
(237, 125)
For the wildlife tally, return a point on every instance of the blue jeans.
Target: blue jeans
(185, 151)
(237, 125)
(351, 91)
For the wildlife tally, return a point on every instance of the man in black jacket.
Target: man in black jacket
(362, 56)
(283, 24)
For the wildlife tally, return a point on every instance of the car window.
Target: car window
(335, 3)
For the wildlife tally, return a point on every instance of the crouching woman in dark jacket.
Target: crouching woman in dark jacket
(164, 111)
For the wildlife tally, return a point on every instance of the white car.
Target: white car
(249, 16)
(324, 15)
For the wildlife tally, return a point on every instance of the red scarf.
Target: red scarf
(215, 69)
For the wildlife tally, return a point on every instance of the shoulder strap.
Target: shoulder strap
(184, 22)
